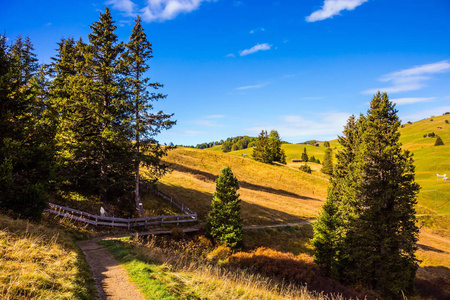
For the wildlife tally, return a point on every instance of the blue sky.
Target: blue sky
(236, 67)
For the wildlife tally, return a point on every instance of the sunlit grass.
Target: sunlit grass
(37, 262)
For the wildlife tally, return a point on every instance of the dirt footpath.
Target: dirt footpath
(111, 279)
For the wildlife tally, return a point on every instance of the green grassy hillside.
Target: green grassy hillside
(434, 196)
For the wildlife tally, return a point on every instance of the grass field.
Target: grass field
(434, 197)
(270, 194)
(40, 262)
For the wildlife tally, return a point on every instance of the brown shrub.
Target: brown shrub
(220, 253)
(289, 268)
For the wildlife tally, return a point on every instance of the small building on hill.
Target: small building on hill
(297, 160)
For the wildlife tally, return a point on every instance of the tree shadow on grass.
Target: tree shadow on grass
(253, 214)
(242, 184)
(434, 285)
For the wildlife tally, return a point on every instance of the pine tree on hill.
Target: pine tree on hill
(276, 153)
(224, 223)
(328, 162)
(374, 192)
(262, 152)
(305, 155)
(439, 141)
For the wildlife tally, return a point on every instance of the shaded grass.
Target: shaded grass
(185, 277)
(37, 262)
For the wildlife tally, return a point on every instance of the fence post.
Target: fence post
(178, 219)
(182, 207)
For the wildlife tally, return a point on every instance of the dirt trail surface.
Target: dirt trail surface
(111, 279)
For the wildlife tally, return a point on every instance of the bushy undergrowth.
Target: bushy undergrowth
(293, 269)
(37, 262)
(182, 268)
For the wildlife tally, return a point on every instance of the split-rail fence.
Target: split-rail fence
(81, 216)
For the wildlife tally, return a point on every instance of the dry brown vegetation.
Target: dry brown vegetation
(183, 269)
(37, 262)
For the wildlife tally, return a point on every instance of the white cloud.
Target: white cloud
(320, 126)
(402, 101)
(256, 30)
(209, 121)
(125, 6)
(256, 86)
(424, 114)
(411, 79)
(331, 8)
(256, 48)
(230, 55)
(157, 10)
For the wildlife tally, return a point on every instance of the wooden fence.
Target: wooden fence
(85, 217)
(169, 199)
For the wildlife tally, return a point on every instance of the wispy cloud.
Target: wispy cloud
(256, 30)
(411, 79)
(230, 55)
(256, 48)
(402, 101)
(256, 86)
(125, 6)
(331, 8)
(209, 121)
(157, 10)
(425, 113)
(322, 125)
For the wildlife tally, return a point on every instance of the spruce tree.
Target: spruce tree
(439, 141)
(146, 124)
(374, 191)
(224, 223)
(26, 136)
(327, 162)
(276, 153)
(304, 155)
(262, 152)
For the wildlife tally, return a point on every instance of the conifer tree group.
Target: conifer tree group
(268, 148)
(366, 233)
(86, 119)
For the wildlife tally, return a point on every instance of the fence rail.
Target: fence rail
(88, 218)
(172, 201)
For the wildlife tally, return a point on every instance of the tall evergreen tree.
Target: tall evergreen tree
(276, 153)
(26, 136)
(261, 152)
(328, 162)
(146, 124)
(374, 191)
(224, 223)
(304, 155)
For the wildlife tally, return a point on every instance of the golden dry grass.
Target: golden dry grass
(37, 262)
(270, 194)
